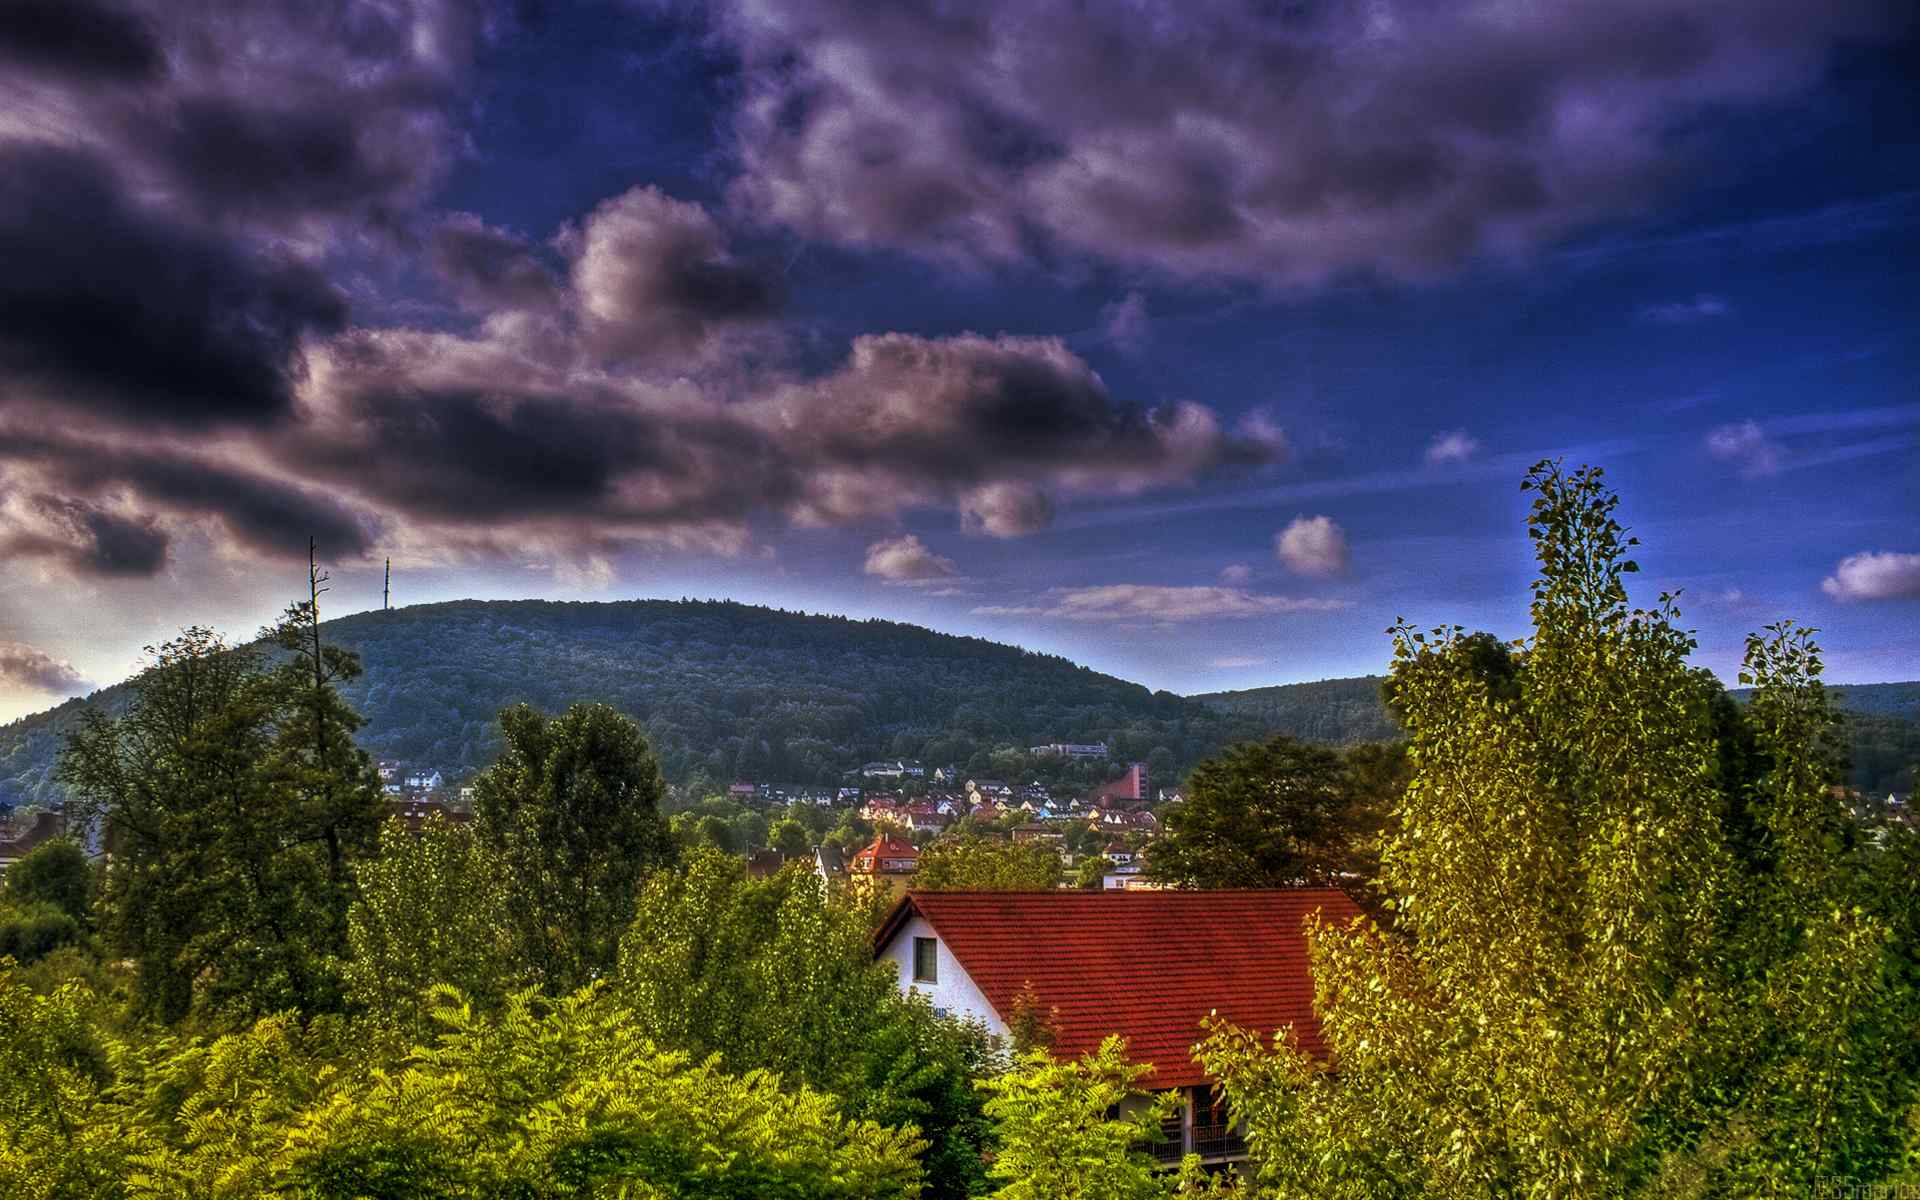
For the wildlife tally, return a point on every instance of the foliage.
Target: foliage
(981, 864)
(229, 837)
(807, 698)
(1335, 712)
(433, 909)
(778, 974)
(1063, 1134)
(1590, 991)
(33, 930)
(540, 1098)
(724, 691)
(54, 872)
(572, 809)
(53, 1067)
(1270, 814)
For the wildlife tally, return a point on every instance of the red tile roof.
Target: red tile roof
(873, 859)
(1148, 966)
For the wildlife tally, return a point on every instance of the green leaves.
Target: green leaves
(1601, 981)
(572, 809)
(1077, 1130)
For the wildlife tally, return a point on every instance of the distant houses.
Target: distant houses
(16, 842)
(1072, 749)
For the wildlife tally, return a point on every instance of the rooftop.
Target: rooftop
(1149, 966)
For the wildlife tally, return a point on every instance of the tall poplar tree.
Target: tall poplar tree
(572, 807)
(1593, 986)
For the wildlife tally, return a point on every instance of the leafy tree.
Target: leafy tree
(1090, 873)
(1590, 991)
(1058, 1134)
(433, 909)
(979, 864)
(56, 873)
(54, 1067)
(325, 788)
(789, 837)
(572, 808)
(222, 874)
(778, 974)
(1268, 814)
(31, 931)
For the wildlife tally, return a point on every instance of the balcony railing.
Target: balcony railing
(1208, 1141)
(1218, 1141)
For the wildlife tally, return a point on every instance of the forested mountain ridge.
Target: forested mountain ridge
(729, 690)
(1881, 720)
(724, 690)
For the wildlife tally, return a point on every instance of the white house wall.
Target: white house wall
(955, 991)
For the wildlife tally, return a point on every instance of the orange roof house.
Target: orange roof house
(888, 863)
(1149, 966)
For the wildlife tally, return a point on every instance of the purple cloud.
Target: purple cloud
(1315, 140)
(25, 667)
(1149, 602)
(907, 560)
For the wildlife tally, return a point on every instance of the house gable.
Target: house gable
(1149, 966)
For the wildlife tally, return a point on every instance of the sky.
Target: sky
(1199, 342)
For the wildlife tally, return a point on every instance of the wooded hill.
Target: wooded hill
(731, 691)
(1881, 721)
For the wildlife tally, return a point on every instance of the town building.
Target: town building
(18, 842)
(416, 812)
(888, 864)
(1131, 786)
(1072, 749)
(1148, 966)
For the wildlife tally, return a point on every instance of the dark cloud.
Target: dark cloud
(93, 541)
(653, 276)
(74, 37)
(24, 666)
(491, 268)
(105, 306)
(72, 520)
(321, 117)
(1281, 142)
(480, 437)
(236, 155)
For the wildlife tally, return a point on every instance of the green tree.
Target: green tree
(433, 909)
(535, 1097)
(56, 873)
(778, 974)
(1589, 991)
(222, 876)
(980, 864)
(1266, 814)
(789, 837)
(572, 808)
(325, 788)
(54, 1069)
(1063, 1134)
(1090, 873)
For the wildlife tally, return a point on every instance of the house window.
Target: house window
(926, 961)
